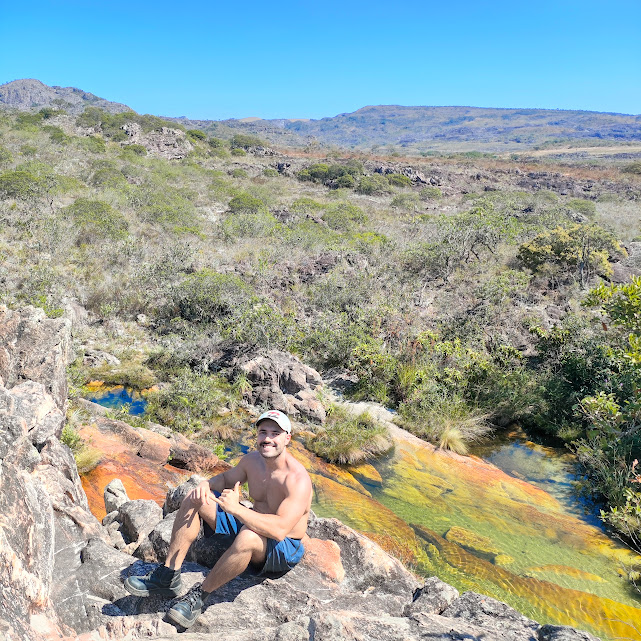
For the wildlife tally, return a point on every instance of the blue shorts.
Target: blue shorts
(281, 557)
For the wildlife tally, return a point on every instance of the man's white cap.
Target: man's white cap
(278, 417)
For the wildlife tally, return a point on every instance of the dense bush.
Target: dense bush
(96, 221)
(245, 141)
(22, 185)
(373, 185)
(206, 296)
(246, 203)
(334, 175)
(430, 193)
(581, 249)
(399, 180)
(344, 216)
(190, 402)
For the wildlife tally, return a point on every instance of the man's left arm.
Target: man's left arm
(273, 526)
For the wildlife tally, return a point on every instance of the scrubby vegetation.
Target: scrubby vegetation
(467, 298)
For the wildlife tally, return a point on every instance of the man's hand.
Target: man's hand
(202, 492)
(229, 499)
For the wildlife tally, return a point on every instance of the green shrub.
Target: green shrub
(306, 205)
(108, 176)
(406, 202)
(206, 296)
(237, 151)
(373, 185)
(582, 206)
(348, 438)
(399, 180)
(581, 248)
(249, 225)
(340, 176)
(196, 134)
(345, 182)
(246, 203)
(136, 150)
(93, 144)
(96, 220)
(56, 135)
(270, 172)
(28, 150)
(5, 155)
(191, 401)
(344, 216)
(633, 168)
(164, 205)
(238, 173)
(22, 185)
(430, 193)
(245, 141)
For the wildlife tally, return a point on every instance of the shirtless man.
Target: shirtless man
(267, 536)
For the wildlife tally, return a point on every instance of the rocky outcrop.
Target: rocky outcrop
(164, 142)
(45, 517)
(35, 348)
(410, 172)
(62, 571)
(278, 380)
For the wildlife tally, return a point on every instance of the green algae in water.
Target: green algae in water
(549, 562)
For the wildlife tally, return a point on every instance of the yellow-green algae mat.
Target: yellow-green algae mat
(480, 529)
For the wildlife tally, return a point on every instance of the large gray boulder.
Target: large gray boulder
(35, 348)
(278, 380)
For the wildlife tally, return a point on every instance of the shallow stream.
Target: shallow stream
(505, 523)
(517, 534)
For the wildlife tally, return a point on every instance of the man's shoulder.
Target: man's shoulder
(251, 459)
(296, 471)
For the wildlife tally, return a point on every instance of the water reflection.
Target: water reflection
(117, 397)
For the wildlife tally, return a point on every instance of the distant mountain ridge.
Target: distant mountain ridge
(30, 93)
(413, 129)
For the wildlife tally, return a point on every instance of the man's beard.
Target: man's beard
(271, 451)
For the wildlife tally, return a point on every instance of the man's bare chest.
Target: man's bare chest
(267, 493)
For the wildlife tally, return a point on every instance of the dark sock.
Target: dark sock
(165, 574)
(203, 595)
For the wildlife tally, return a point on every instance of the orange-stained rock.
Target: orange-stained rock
(137, 457)
(315, 464)
(325, 557)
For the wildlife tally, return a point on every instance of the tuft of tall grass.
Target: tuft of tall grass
(448, 422)
(347, 438)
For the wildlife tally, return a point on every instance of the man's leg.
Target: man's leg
(165, 579)
(186, 529)
(247, 547)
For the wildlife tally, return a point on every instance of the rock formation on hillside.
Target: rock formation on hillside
(30, 93)
(165, 142)
(61, 570)
(278, 379)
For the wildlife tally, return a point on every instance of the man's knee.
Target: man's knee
(248, 541)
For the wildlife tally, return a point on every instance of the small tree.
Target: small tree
(585, 249)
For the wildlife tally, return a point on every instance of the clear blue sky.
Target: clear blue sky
(208, 59)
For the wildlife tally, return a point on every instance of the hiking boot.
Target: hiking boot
(188, 609)
(162, 581)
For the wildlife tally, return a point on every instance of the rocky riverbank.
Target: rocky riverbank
(61, 570)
